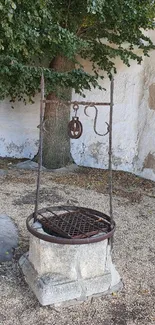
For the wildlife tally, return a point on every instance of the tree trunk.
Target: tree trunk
(56, 143)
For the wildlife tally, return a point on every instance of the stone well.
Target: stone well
(66, 273)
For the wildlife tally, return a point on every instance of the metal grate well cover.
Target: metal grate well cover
(73, 222)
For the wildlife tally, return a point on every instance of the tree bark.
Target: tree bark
(56, 143)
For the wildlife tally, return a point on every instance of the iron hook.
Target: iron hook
(95, 120)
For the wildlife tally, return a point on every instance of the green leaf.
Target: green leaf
(13, 5)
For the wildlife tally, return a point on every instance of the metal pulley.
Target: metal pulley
(75, 126)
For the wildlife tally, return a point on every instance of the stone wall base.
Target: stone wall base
(58, 290)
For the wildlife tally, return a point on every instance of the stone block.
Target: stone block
(60, 273)
(57, 290)
(72, 261)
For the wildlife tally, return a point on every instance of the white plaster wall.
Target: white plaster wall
(91, 149)
(146, 120)
(18, 129)
(133, 122)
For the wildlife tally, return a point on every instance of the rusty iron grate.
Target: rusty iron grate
(73, 222)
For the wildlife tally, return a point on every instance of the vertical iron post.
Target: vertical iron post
(110, 146)
(40, 147)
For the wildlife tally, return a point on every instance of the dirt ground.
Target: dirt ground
(134, 246)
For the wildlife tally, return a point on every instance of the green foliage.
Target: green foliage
(24, 80)
(32, 33)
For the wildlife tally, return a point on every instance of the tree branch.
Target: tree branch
(69, 4)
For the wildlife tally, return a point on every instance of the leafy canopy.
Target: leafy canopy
(33, 32)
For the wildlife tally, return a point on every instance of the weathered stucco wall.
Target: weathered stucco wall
(133, 123)
(91, 149)
(18, 129)
(145, 164)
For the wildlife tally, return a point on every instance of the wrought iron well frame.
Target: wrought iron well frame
(86, 104)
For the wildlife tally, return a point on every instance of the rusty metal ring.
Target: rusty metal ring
(60, 240)
(75, 107)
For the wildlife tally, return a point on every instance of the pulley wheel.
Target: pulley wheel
(75, 128)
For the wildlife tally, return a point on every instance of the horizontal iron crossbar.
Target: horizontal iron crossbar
(46, 101)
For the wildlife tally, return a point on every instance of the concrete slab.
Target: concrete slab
(28, 164)
(31, 165)
(72, 168)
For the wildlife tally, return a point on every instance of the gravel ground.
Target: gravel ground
(134, 253)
